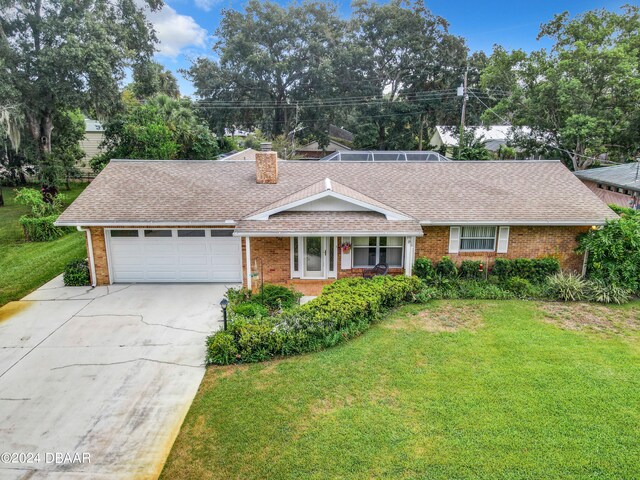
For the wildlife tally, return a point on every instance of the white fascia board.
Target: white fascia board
(326, 234)
(228, 223)
(328, 193)
(518, 223)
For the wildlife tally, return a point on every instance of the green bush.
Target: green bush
(346, 308)
(534, 270)
(277, 297)
(239, 295)
(221, 349)
(614, 252)
(470, 269)
(446, 268)
(250, 309)
(602, 292)
(520, 287)
(480, 290)
(76, 273)
(41, 229)
(567, 287)
(423, 269)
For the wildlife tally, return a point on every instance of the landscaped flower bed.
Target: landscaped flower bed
(345, 309)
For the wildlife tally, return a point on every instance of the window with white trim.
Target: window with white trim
(478, 238)
(369, 251)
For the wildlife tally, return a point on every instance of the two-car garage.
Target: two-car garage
(174, 255)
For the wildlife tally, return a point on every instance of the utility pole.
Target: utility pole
(465, 97)
(420, 134)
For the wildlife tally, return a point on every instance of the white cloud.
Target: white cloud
(206, 5)
(176, 32)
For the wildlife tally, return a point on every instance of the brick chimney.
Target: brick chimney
(266, 164)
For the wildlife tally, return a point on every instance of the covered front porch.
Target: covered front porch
(307, 250)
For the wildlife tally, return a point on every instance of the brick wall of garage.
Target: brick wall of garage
(524, 242)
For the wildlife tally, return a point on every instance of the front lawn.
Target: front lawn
(24, 266)
(457, 389)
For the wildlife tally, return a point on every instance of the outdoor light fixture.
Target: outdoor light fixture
(223, 303)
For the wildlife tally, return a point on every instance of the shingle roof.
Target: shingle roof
(200, 192)
(328, 223)
(324, 186)
(624, 176)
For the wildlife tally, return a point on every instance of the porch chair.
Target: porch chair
(380, 269)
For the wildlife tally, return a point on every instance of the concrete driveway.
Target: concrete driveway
(95, 383)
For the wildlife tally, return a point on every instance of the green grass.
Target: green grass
(24, 266)
(508, 395)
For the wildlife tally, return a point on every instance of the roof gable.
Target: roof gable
(317, 197)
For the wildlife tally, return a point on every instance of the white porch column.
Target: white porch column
(247, 243)
(409, 253)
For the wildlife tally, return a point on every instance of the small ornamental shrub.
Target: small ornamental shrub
(602, 292)
(345, 309)
(520, 287)
(423, 269)
(277, 297)
(238, 295)
(446, 268)
(567, 287)
(470, 269)
(480, 290)
(250, 309)
(76, 273)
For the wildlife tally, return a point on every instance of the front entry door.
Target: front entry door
(314, 257)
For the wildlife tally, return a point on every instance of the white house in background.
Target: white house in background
(231, 132)
(93, 137)
(494, 135)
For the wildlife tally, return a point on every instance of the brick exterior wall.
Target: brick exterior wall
(275, 253)
(267, 167)
(524, 242)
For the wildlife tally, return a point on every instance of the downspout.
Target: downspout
(248, 260)
(92, 265)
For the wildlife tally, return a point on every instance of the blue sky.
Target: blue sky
(185, 27)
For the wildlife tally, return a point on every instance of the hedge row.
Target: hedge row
(41, 229)
(345, 309)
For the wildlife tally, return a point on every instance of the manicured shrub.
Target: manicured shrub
(277, 297)
(250, 309)
(534, 270)
(446, 268)
(423, 268)
(76, 273)
(41, 229)
(602, 292)
(470, 269)
(567, 287)
(346, 308)
(221, 349)
(520, 287)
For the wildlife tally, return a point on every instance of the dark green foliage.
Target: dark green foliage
(535, 270)
(238, 295)
(446, 268)
(250, 310)
(76, 273)
(345, 309)
(41, 229)
(614, 252)
(463, 289)
(277, 297)
(423, 268)
(470, 269)
(520, 287)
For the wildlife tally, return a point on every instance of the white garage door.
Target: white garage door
(175, 255)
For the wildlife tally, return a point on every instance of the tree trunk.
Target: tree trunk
(40, 127)
(381, 137)
(1, 198)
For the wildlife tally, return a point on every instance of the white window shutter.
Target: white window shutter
(503, 240)
(454, 239)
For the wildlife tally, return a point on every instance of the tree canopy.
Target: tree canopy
(582, 96)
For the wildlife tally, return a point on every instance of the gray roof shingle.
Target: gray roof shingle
(624, 176)
(209, 192)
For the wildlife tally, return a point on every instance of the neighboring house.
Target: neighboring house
(305, 224)
(235, 132)
(494, 135)
(93, 137)
(619, 184)
(246, 154)
(313, 151)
